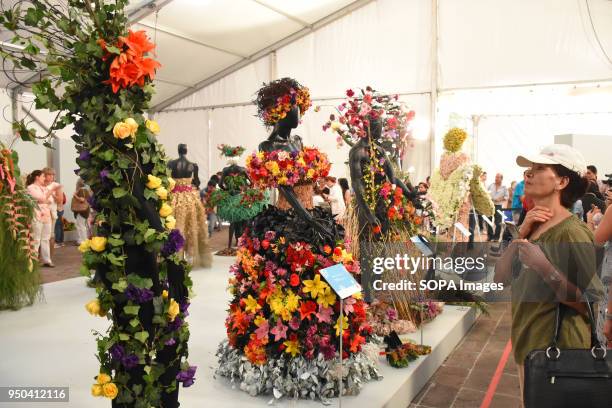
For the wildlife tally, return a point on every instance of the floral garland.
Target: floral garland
(105, 90)
(357, 111)
(400, 211)
(281, 168)
(230, 151)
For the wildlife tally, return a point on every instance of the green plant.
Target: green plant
(96, 74)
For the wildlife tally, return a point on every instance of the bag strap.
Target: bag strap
(559, 313)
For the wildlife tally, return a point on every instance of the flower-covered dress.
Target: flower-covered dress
(283, 323)
(191, 221)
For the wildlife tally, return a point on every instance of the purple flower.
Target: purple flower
(184, 306)
(187, 377)
(138, 295)
(104, 174)
(130, 361)
(117, 352)
(93, 203)
(391, 314)
(176, 324)
(85, 155)
(174, 243)
(170, 342)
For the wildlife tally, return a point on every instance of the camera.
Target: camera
(608, 180)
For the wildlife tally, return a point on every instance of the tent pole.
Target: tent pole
(434, 85)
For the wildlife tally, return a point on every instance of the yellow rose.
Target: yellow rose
(162, 193)
(97, 244)
(310, 173)
(110, 390)
(121, 130)
(132, 125)
(103, 378)
(153, 126)
(84, 246)
(173, 310)
(165, 210)
(165, 294)
(170, 222)
(171, 183)
(93, 307)
(96, 390)
(154, 182)
(336, 125)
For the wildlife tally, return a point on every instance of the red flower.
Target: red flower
(376, 229)
(307, 309)
(350, 93)
(356, 343)
(294, 280)
(337, 251)
(265, 244)
(327, 249)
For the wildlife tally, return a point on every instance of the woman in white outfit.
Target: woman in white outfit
(41, 224)
(80, 208)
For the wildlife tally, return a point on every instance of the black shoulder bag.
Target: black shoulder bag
(569, 378)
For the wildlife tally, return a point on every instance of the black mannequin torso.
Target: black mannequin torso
(183, 168)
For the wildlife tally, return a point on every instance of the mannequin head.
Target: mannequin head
(375, 128)
(291, 121)
(182, 149)
(283, 100)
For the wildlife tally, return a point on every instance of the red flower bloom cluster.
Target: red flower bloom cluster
(282, 306)
(399, 210)
(130, 67)
(281, 168)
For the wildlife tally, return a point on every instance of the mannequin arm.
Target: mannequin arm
(301, 211)
(196, 177)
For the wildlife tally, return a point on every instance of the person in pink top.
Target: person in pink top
(41, 224)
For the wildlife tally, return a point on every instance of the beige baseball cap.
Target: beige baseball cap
(562, 154)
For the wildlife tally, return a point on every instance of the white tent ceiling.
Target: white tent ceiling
(198, 39)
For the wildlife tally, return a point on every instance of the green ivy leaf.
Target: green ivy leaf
(120, 286)
(131, 310)
(119, 192)
(115, 242)
(134, 322)
(124, 336)
(141, 336)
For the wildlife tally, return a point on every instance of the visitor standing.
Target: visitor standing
(335, 198)
(550, 237)
(41, 223)
(57, 196)
(591, 174)
(499, 195)
(81, 209)
(346, 191)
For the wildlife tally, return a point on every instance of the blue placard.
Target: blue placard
(341, 281)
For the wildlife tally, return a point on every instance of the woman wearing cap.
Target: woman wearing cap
(556, 254)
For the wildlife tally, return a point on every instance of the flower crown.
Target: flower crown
(276, 99)
(356, 113)
(230, 151)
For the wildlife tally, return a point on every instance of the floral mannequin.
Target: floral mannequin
(283, 317)
(455, 185)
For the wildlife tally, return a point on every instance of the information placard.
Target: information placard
(341, 281)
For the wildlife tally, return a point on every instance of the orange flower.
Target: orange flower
(137, 42)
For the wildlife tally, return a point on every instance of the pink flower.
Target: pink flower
(279, 331)
(262, 331)
(324, 314)
(294, 323)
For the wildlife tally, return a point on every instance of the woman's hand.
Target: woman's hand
(594, 210)
(532, 256)
(537, 215)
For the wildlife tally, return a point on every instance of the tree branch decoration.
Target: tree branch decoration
(96, 74)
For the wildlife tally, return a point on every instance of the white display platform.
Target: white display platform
(50, 344)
